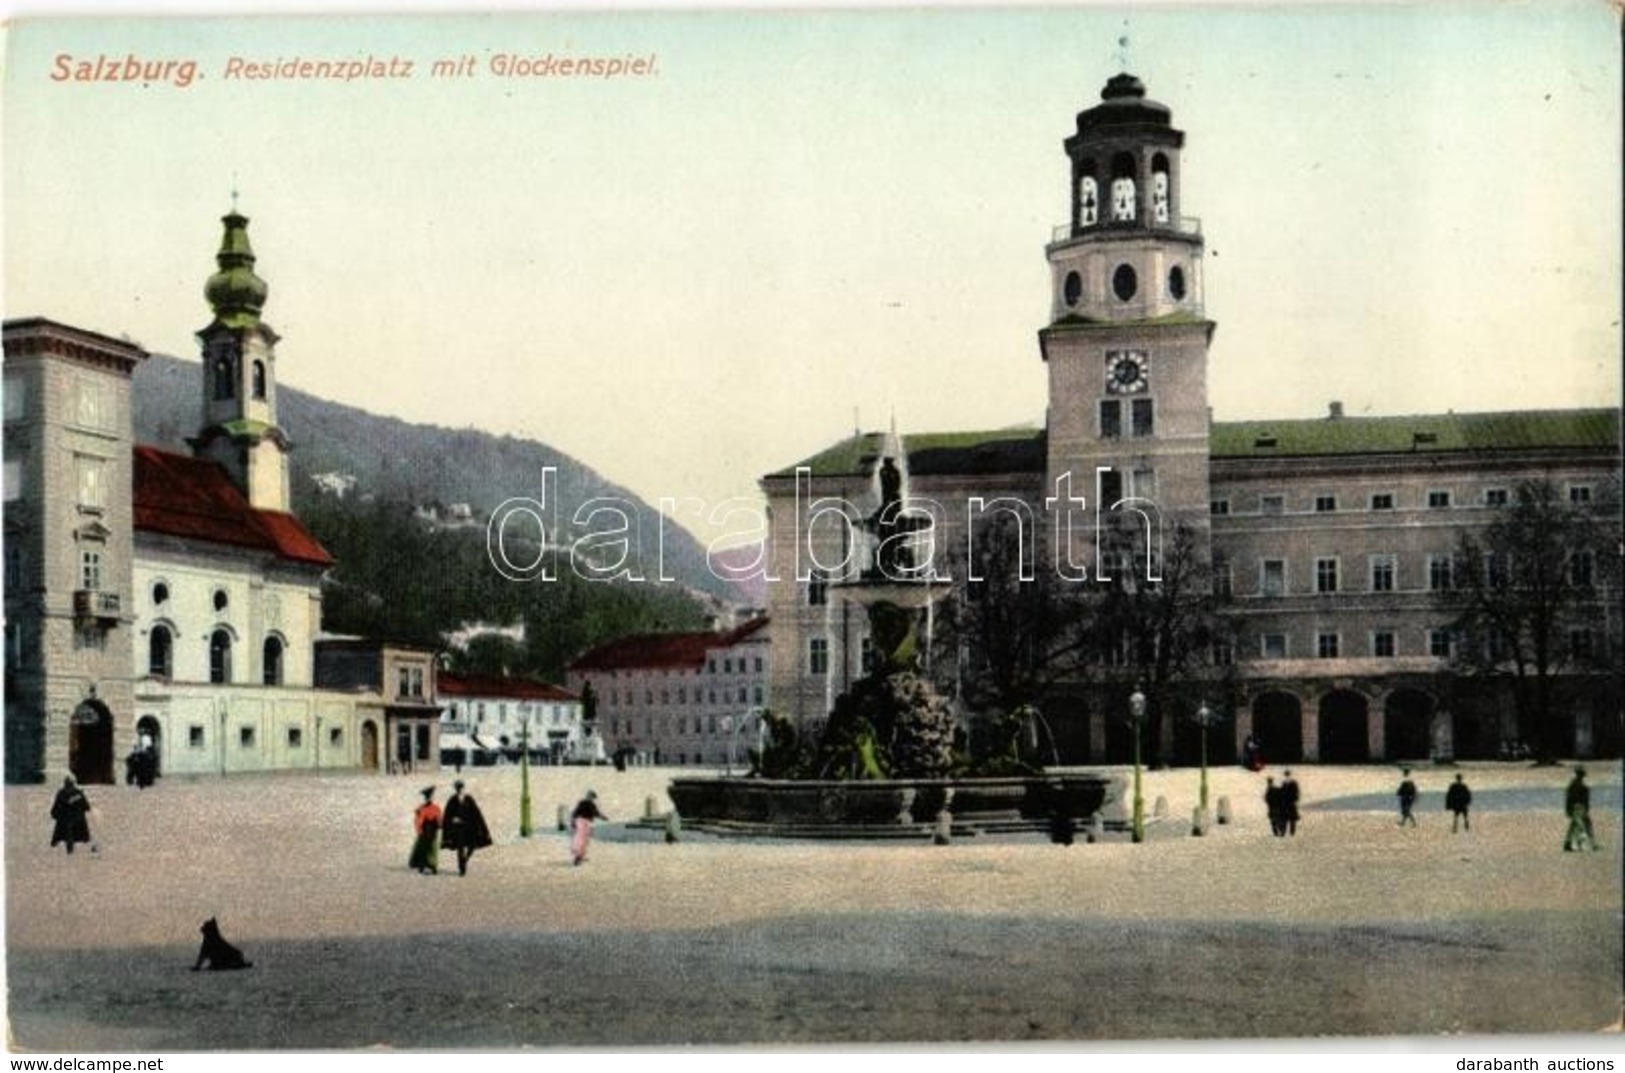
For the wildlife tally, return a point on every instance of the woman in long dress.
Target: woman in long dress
(426, 849)
(581, 826)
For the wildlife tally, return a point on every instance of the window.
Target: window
(1272, 646)
(224, 388)
(259, 379)
(1326, 645)
(1495, 570)
(1582, 569)
(1272, 577)
(89, 407)
(866, 656)
(160, 594)
(1088, 200)
(296, 738)
(273, 661)
(1219, 507)
(711, 663)
(220, 657)
(817, 596)
(1441, 571)
(245, 737)
(15, 396)
(90, 483)
(1111, 487)
(1383, 644)
(1142, 414)
(1223, 654)
(1325, 575)
(1324, 504)
(1438, 500)
(1111, 419)
(1440, 644)
(221, 600)
(727, 666)
(756, 695)
(14, 645)
(1271, 504)
(90, 570)
(1123, 199)
(335, 737)
(818, 655)
(160, 652)
(194, 736)
(1580, 643)
(14, 567)
(759, 665)
(1159, 194)
(1382, 573)
(1382, 501)
(682, 694)
(1495, 497)
(1143, 484)
(1223, 578)
(1579, 493)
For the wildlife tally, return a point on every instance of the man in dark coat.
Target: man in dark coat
(1457, 799)
(463, 827)
(1407, 799)
(1274, 806)
(70, 810)
(1289, 802)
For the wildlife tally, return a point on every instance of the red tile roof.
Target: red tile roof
(515, 688)
(189, 497)
(645, 650)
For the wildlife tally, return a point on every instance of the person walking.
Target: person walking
(70, 809)
(1273, 805)
(1407, 799)
(1457, 799)
(426, 848)
(1289, 802)
(463, 828)
(581, 820)
(1577, 804)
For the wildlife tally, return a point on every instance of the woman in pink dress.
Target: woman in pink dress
(581, 826)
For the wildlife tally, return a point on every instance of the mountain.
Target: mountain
(424, 465)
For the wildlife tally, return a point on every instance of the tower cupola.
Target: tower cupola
(235, 293)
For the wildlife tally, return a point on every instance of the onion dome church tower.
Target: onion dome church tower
(240, 429)
(1127, 342)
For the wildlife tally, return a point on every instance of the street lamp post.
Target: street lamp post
(1205, 717)
(525, 827)
(1136, 708)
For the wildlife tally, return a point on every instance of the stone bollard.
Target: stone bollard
(564, 818)
(649, 807)
(1198, 822)
(944, 831)
(1224, 810)
(1097, 827)
(1160, 809)
(674, 827)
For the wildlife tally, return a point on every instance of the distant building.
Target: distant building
(679, 698)
(395, 686)
(485, 719)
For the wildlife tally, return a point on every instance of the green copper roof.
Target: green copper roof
(1513, 430)
(235, 293)
(998, 451)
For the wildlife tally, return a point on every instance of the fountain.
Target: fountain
(884, 765)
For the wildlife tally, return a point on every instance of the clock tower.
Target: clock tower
(240, 429)
(1127, 340)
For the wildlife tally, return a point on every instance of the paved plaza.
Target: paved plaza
(1354, 927)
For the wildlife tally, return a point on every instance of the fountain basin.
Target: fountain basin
(890, 808)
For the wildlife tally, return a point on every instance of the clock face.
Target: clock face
(1127, 371)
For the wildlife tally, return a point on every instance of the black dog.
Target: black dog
(217, 952)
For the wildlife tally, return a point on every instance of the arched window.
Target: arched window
(1088, 198)
(161, 653)
(225, 386)
(1124, 204)
(220, 657)
(259, 380)
(273, 661)
(1159, 189)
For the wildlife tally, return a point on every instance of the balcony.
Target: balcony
(1184, 225)
(95, 604)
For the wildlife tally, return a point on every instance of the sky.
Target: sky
(804, 221)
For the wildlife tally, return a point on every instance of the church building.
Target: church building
(155, 599)
(1329, 539)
